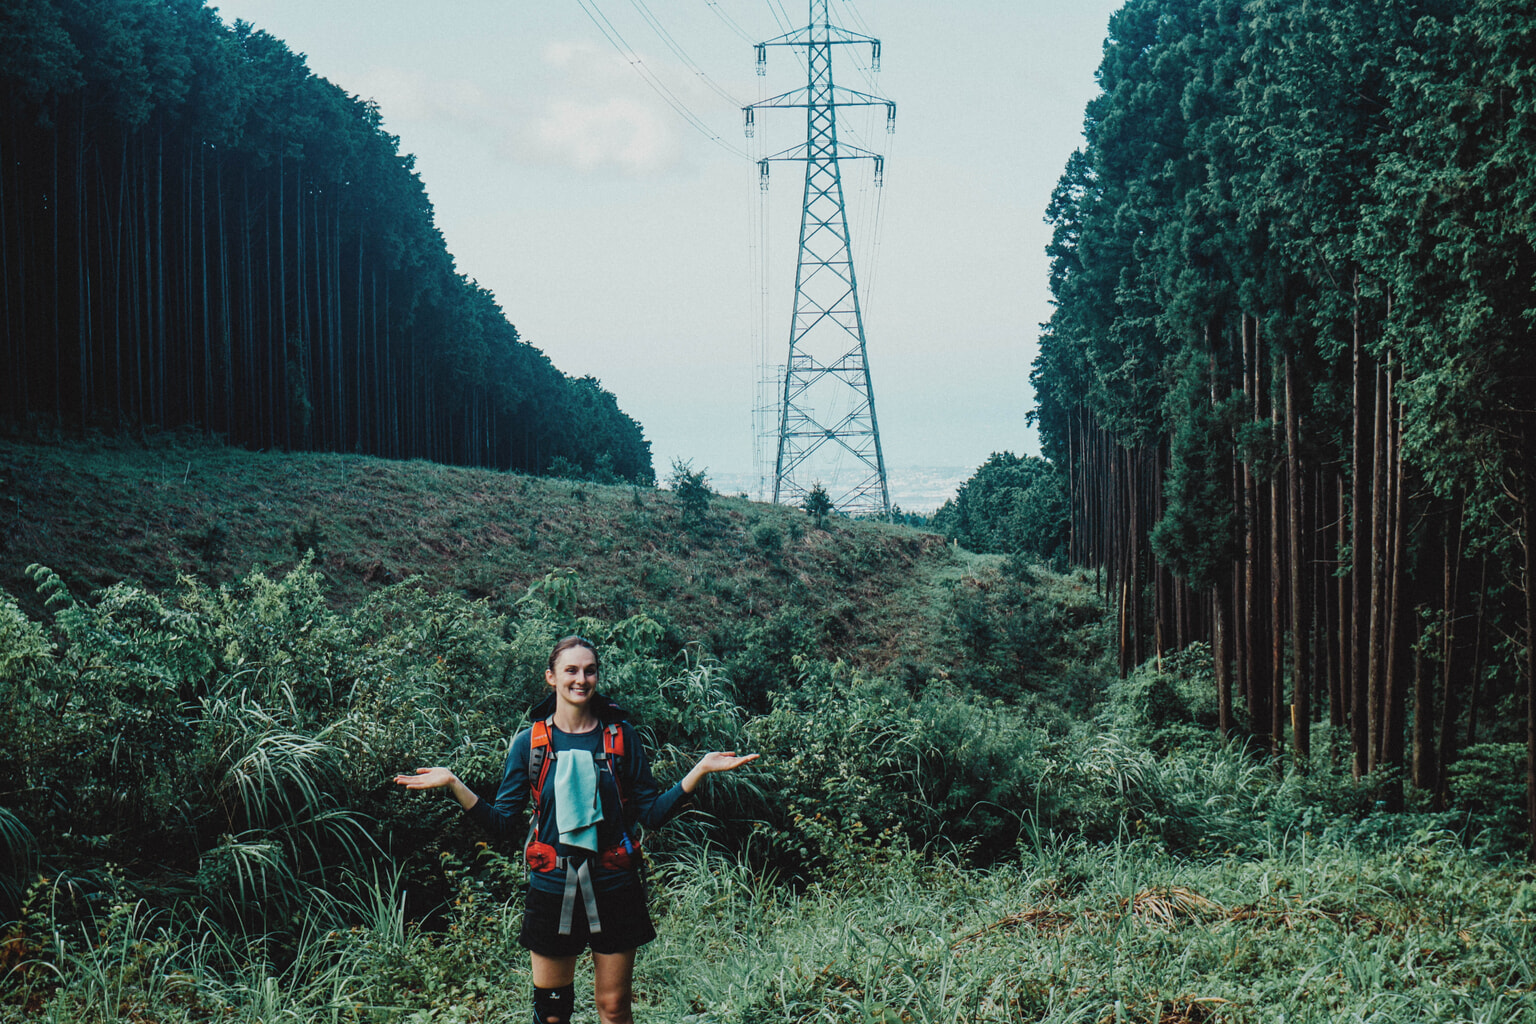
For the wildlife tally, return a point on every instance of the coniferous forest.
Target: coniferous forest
(1290, 372)
(1219, 711)
(197, 232)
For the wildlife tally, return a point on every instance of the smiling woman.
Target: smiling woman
(584, 768)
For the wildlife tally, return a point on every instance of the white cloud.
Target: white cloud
(617, 131)
(599, 114)
(581, 106)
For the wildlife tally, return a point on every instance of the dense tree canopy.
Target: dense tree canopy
(1010, 505)
(1289, 370)
(197, 231)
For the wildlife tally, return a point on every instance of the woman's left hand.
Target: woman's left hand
(723, 761)
(714, 761)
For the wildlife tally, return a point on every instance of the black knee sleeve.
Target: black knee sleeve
(553, 1005)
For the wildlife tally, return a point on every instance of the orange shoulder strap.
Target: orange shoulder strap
(540, 755)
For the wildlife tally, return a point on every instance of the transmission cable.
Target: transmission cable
(672, 44)
(730, 22)
(865, 69)
(616, 39)
(780, 16)
(858, 17)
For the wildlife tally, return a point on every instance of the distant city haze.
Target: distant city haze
(914, 488)
(635, 246)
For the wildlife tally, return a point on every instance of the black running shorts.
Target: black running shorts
(625, 919)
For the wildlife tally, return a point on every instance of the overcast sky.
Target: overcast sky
(587, 164)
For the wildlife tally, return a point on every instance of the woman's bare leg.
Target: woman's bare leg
(613, 985)
(553, 972)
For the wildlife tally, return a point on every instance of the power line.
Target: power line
(672, 44)
(782, 19)
(730, 22)
(617, 41)
(866, 71)
(858, 16)
(780, 16)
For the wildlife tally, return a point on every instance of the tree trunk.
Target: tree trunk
(1477, 651)
(1301, 719)
(1399, 616)
(1277, 616)
(1527, 521)
(1257, 683)
(1362, 528)
(1375, 703)
(1450, 594)
(1221, 655)
(1339, 641)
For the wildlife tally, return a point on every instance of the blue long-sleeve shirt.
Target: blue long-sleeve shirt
(644, 802)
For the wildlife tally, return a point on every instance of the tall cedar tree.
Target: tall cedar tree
(197, 232)
(1287, 374)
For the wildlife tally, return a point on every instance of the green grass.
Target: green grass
(1069, 933)
(1123, 933)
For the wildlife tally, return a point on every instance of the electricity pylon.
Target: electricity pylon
(827, 400)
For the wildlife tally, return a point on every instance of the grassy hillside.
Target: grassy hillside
(110, 511)
(114, 510)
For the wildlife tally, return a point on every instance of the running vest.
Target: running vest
(542, 856)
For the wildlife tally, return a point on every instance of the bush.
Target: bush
(767, 538)
(1168, 707)
(1202, 799)
(850, 761)
(818, 505)
(1487, 783)
(765, 656)
(692, 489)
(1011, 504)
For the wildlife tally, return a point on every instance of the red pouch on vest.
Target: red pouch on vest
(618, 858)
(541, 856)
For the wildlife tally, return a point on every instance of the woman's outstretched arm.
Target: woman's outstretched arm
(714, 761)
(433, 778)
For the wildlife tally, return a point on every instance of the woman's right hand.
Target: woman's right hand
(427, 778)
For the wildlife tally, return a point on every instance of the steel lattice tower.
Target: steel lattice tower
(827, 398)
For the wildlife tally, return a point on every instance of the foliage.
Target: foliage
(1485, 785)
(262, 726)
(847, 756)
(1161, 707)
(1010, 505)
(818, 504)
(692, 489)
(768, 655)
(768, 538)
(245, 734)
(1305, 931)
(1022, 635)
(22, 641)
(1196, 537)
(1289, 356)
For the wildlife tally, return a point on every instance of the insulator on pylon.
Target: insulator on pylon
(874, 55)
(879, 171)
(890, 118)
(750, 126)
(762, 59)
(762, 175)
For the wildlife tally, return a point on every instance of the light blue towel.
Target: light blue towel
(577, 807)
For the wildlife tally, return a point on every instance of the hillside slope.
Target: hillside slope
(113, 510)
